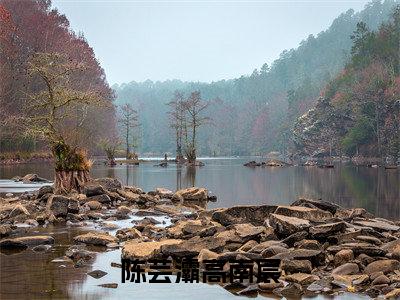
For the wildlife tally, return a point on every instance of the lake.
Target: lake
(375, 189)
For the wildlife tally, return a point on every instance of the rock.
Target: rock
(349, 214)
(128, 195)
(193, 246)
(395, 294)
(145, 250)
(95, 238)
(252, 164)
(93, 205)
(9, 195)
(316, 257)
(359, 248)
(18, 210)
(164, 193)
(41, 248)
(323, 205)
(322, 285)
(248, 231)
(250, 290)
(296, 266)
(254, 214)
(325, 230)
(308, 244)
(343, 256)
(291, 290)
(33, 178)
(109, 285)
(378, 225)
(306, 213)
(97, 274)
(295, 237)
(73, 206)
(248, 245)
(123, 210)
(386, 266)
(103, 198)
(369, 239)
(269, 286)
(206, 254)
(264, 245)
(57, 205)
(26, 241)
(91, 189)
(77, 252)
(47, 189)
(128, 234)
(5, 230)
(109, 184)
(382, 279)
(194, 193)
(302, 278)
(346, 269)
(285, 225)
(273, 250)
(198, 227)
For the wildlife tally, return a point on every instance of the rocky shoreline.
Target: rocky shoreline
(323, 247)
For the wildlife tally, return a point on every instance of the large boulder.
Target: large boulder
(96, 238)
(306, 213)
(191, 194)
(285, 225)
(145, 250)
(254, 214)
(26, 241)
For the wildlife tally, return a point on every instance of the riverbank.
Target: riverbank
(323, 247)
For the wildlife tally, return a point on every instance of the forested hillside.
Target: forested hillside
(255, 113)
(30, 29)
(359, 111)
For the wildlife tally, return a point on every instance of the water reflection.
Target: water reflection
(377, 190)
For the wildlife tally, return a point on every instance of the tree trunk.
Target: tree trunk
(68, 181)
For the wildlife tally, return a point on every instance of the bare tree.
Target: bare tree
(178, 121)
(129, 120)
(194, 107)
(55, 103)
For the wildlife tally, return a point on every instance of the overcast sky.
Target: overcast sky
(195, 40)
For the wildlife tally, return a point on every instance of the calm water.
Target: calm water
(30, 275)
(377, 190)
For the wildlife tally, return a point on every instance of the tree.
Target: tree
(110, 146)
(194, 107)
(57, 101)
(128, 120)
(177, 119)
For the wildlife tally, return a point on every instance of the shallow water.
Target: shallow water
(375, 189)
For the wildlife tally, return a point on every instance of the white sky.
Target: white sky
(195, 40)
